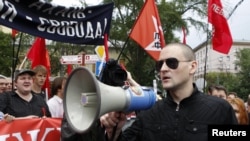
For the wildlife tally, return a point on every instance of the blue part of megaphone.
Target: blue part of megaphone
(143, 100)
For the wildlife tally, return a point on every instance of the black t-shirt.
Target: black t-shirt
(13, 104)
(42, 94)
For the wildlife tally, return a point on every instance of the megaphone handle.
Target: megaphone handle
(113, 133)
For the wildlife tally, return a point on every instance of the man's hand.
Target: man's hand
(8, 118)
(112, 119)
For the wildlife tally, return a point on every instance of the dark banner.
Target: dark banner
(77, 25)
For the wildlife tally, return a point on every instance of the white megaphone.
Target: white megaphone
(86, 99)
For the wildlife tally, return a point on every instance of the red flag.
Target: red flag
(106, 47)
(222, 39)
(14, 32)
(38, 55)
(184, 35)
(147, 30)
(69, 68)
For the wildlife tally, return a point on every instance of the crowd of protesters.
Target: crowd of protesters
(241, 107)
(184, 107)
(23, 97)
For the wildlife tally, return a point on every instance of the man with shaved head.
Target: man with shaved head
(185, 113)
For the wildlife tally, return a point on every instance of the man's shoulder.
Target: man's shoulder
(39, 96)
(9, 93)
(42, 92)
(51, 100)
(215, 101)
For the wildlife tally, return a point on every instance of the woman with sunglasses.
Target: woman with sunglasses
(186, 112)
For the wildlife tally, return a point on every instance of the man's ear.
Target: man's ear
(193, 67)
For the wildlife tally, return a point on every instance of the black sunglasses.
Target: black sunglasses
(172, 63)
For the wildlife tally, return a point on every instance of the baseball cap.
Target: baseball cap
(20, 72)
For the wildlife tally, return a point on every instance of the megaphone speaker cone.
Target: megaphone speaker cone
(86, 99)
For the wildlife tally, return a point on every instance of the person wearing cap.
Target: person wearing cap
(21, 103)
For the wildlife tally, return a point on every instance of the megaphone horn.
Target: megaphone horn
(86, 99)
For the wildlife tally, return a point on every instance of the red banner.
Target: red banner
(45, 129)
(222, 40)
(39, 55)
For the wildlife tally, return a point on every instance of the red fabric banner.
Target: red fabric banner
(37, 129)
(221, 38)
(147, 31)
(38, 55)
(106, 47)
(69, 69)
(184, 35)
(14, 32)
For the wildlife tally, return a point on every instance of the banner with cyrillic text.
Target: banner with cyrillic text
(79, 25)
(37, 129)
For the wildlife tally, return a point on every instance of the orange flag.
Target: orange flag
(221, 39)
(38, 55)
(147, 30)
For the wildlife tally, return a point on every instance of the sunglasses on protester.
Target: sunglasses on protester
(172, 63)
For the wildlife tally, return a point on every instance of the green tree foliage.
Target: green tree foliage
(6, 53)
(229, 80)
(138, 62)
(239, 82)
(243, 63)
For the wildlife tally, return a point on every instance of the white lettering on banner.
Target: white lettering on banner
(71, 28)
(4, 137)
(18, 136)
(217, 9)
(10, 12)
(32, 133)
(65, 24)
(47, 130)
(70, 13)
(64, 12)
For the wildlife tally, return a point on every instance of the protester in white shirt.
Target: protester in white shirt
(56, 102)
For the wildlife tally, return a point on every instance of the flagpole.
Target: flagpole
(123, 47)
(205, 66)
(13, 61)
(21, 66)
(230, 14)
(17, 53)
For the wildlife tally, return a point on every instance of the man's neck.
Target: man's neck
(179, 94)
(26, 96)
(36, 88)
